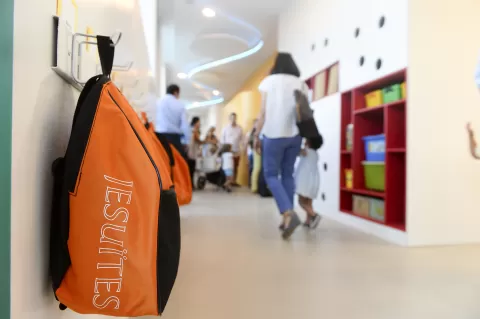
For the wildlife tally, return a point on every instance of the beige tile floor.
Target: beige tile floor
(235, 266)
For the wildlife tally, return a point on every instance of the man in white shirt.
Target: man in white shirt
(233, 135)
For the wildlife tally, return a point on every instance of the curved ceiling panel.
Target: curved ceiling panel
(218, 45)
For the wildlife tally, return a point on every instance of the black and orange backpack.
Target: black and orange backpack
(179, 171)
(115, 227)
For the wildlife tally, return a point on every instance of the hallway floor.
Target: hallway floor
(234, 265)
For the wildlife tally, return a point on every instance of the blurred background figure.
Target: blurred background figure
(211, 137)
(211, 142)
(171, 119)
(194, 147)
(233, 134)
(249, 147)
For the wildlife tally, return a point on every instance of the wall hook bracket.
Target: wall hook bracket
(67, 53)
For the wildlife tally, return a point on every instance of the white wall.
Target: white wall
(309, 22)
(43, 107)
(443, 180)
(326, 113)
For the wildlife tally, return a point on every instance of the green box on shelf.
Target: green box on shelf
(374, 175)
(392, 93)
(377, 209)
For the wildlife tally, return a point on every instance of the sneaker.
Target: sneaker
(290, 228)
(314, 221)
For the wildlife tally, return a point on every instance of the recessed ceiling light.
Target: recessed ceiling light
(182, 75)
(208, 12)
(216, 92)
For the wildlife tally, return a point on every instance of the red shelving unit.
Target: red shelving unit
(388, 119)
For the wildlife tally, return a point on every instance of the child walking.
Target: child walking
(307, 180)
(227, 166)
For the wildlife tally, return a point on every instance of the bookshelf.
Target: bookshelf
(388, 119)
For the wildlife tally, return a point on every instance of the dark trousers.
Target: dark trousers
(192, 164)
(250, 169)
(176, 141)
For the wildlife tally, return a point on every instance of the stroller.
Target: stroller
(209, 167)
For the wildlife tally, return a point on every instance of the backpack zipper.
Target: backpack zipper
(159, 183)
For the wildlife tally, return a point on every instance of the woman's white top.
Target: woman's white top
(280, 111)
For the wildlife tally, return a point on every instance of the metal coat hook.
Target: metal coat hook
(75, 67)
(118, 36)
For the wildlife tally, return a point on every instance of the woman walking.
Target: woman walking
(281, 139)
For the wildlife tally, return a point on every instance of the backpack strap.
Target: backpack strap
(106, 52)
(86, 90)
(144, 118)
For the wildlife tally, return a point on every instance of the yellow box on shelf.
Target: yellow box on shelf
(349, 178)
(404, 90)
(374, 99)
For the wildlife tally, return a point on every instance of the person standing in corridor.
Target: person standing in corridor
(171, 119)
(194, 148)
(281, 139)
(233, 135)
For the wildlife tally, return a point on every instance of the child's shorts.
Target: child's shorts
(228, 172)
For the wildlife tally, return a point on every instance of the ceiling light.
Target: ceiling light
(229, 59)
(205, 103)
(208, 12)
(182, 75)
(216, 92)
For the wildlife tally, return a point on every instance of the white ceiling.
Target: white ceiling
(189, 40)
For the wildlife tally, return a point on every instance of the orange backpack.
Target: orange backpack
(179, 170)
(115, 227)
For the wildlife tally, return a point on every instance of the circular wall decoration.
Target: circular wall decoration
(362, 60)
(381, 22)
(326, 42)
(378, 64)
(357, 32)
(325, 167)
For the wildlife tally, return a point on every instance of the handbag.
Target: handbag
(306, 124)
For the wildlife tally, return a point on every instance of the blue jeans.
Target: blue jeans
(279, 156)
